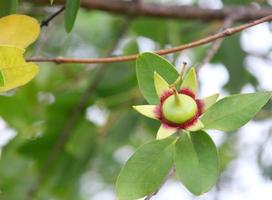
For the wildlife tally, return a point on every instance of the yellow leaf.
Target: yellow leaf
(11, 56)
(18, 76)
(13, 68)
(160, 84)
(147, 110)
(18, 30)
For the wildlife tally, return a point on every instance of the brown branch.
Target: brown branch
(170, 11)
(73, 118)
(50, 18)
(225, 33)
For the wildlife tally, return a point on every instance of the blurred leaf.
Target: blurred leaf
(16, 173)
(232, 112)
(8, 7)
(196, 161)
(56, 119)
(119, 79)
(120, 130)
(232, 56)
(118, 133)
(233, 2)
(26, 116)
(71, 9)
(146, 65)
(228, 151)
(155, 29)
(65, 171)
(131, 47)
(82, 140)
(145, 170)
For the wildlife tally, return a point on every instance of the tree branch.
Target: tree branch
(170, 11)
(225, 33)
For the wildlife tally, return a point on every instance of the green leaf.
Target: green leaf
(154, 29)
(8, 7)
(2, 81)
(71, 9)
(190, 81)
(146, 64)
(234, 111)
(145, 170)
(196, 161)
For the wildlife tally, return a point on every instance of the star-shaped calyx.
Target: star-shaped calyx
(179, 109)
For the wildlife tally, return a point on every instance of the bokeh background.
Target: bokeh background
(106, 131)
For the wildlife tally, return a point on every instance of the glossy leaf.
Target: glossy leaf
(232, 112)
(196, 161)
(71, 9)
(145, 170)
(148, 63)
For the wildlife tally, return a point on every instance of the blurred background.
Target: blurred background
(67, 133)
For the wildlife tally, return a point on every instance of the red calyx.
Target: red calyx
(186, 124)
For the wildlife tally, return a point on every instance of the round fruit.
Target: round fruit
(179, 108)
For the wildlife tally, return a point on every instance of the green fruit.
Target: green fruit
(179, 108)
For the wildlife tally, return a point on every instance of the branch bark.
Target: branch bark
(223, 34)
(133, 9)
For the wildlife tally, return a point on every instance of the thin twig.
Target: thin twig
(216, 44)
(49, 19)
(171, 172)
(225, 33)
(73, 118)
